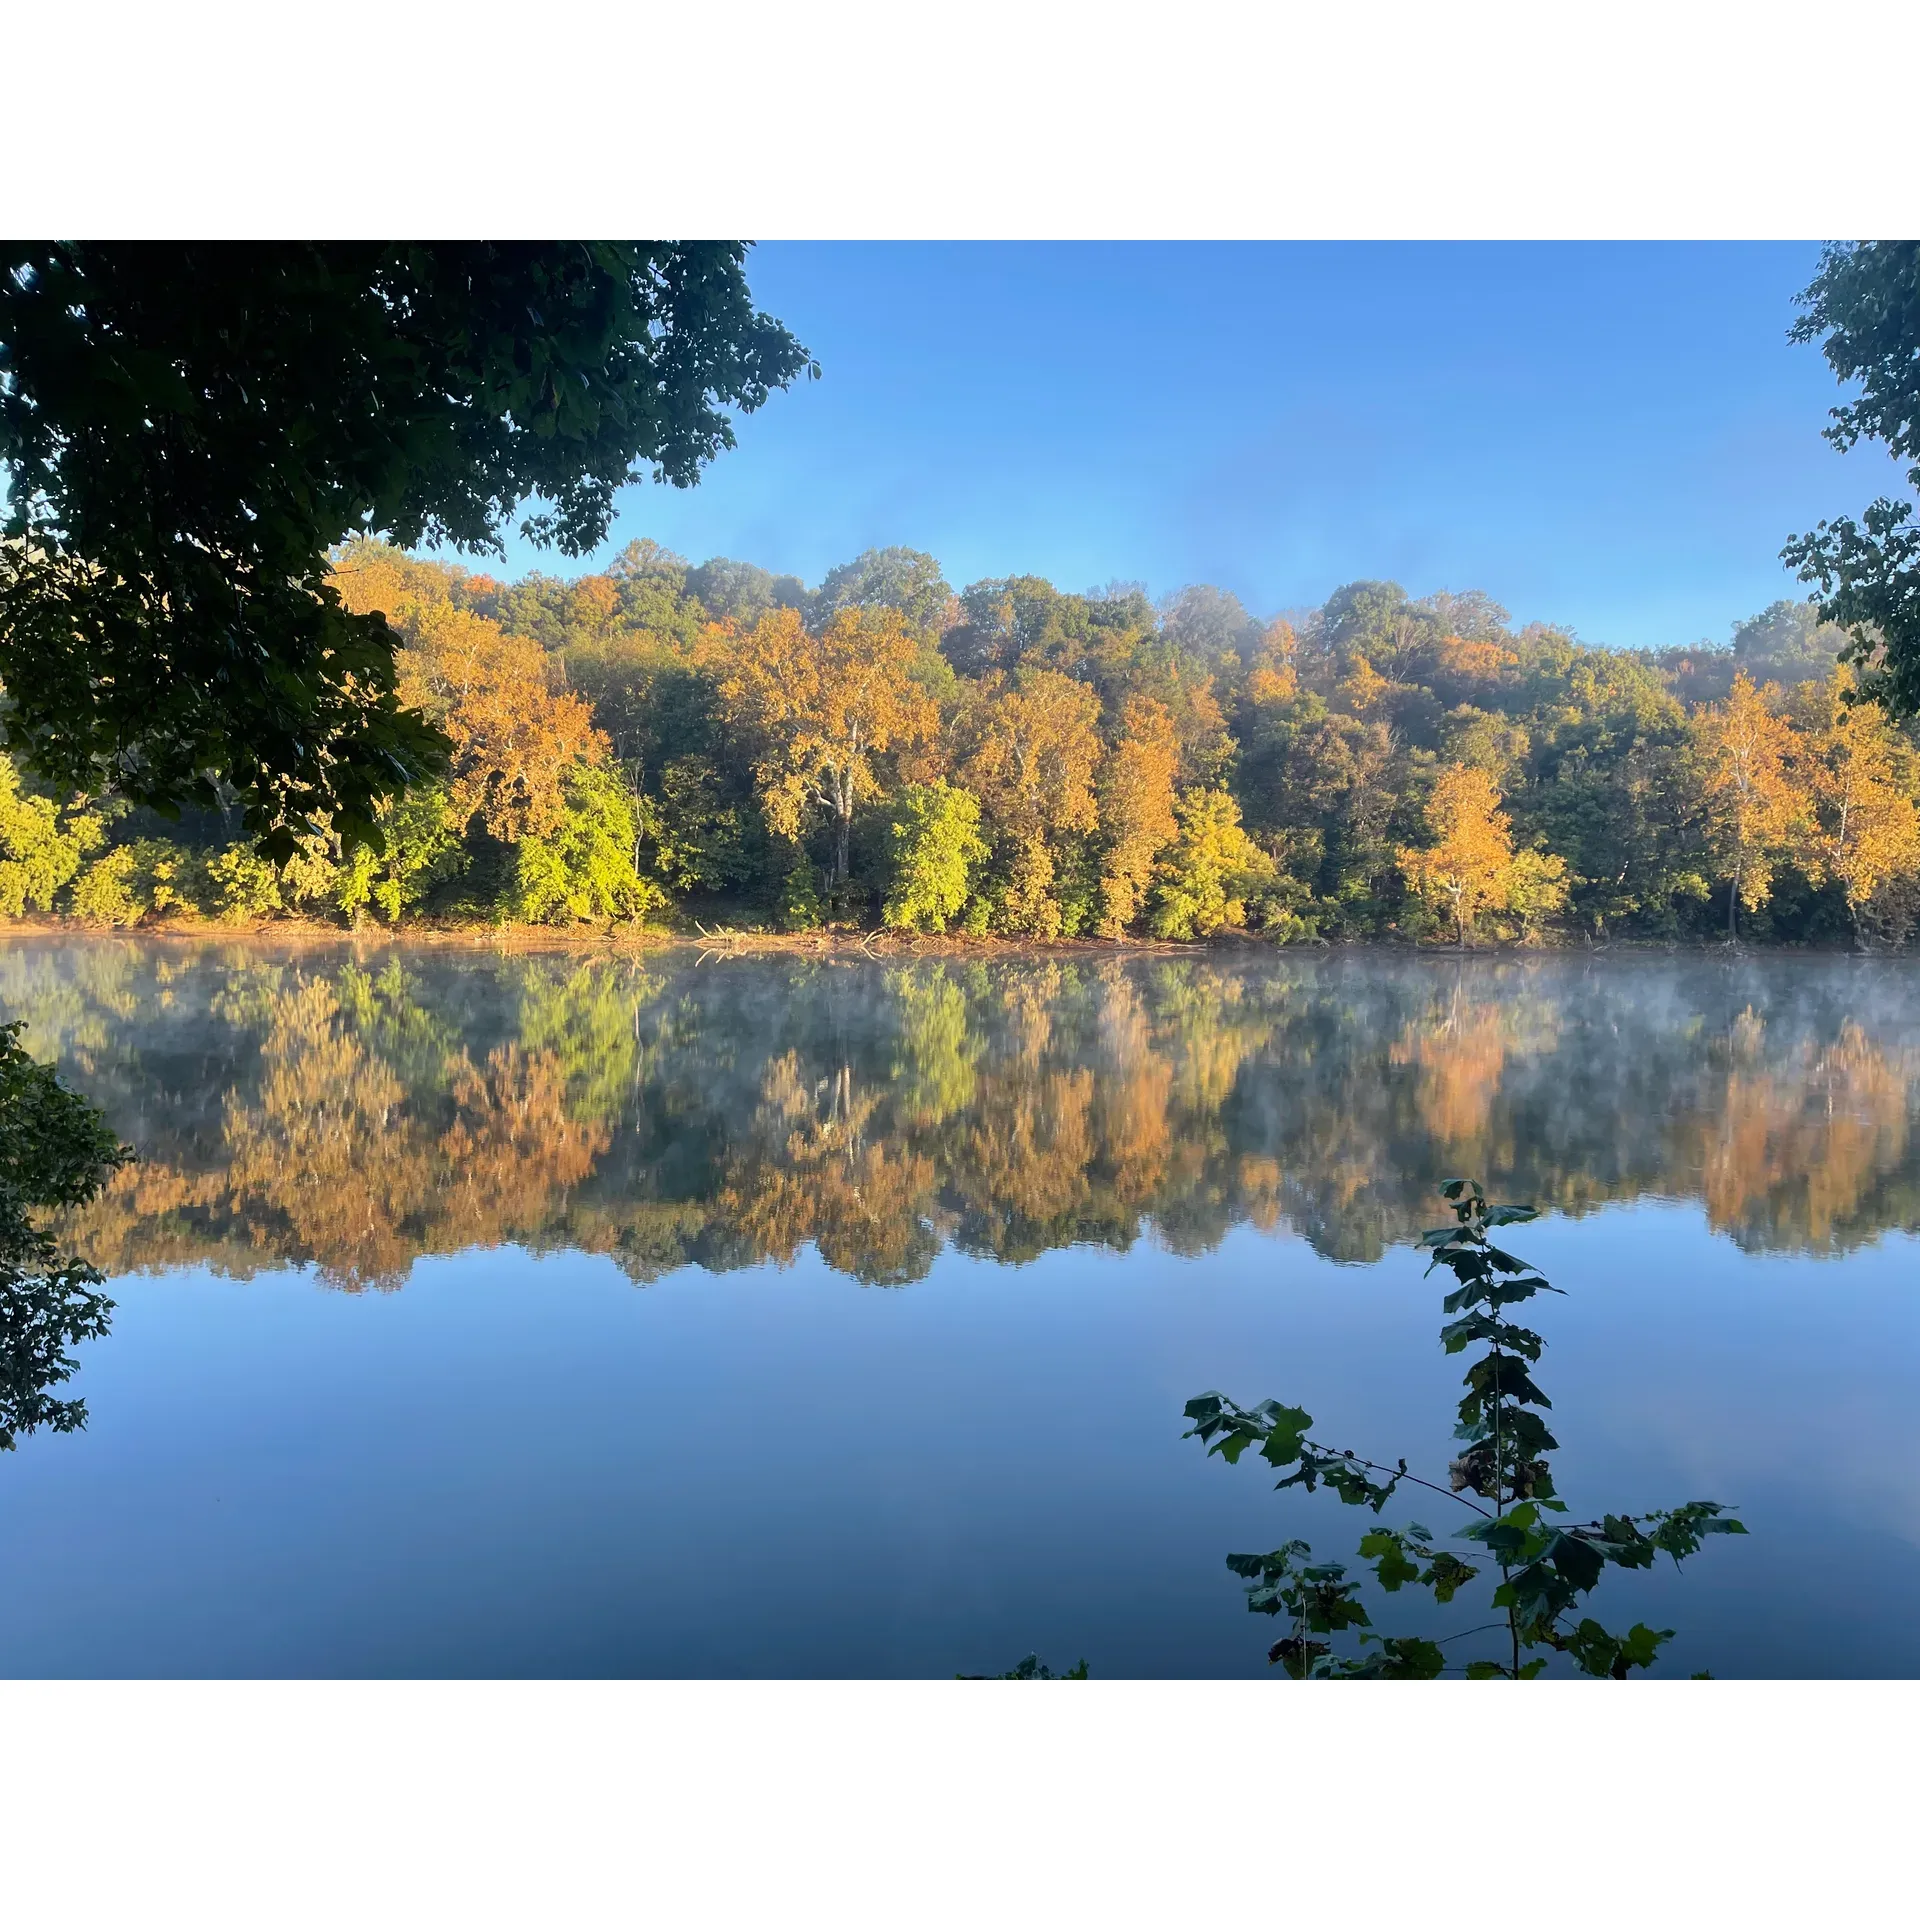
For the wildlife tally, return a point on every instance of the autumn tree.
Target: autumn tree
(1031, 748)
(1469, 864)
(814, 710)
(515, 740)
(1754, 807)
(1135, 799)
(1859, 772)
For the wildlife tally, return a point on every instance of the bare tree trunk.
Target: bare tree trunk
(843, 810)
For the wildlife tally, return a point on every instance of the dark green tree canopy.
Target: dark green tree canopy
(899, 577)
(1863, 306)
(739, 591)
(187, 430)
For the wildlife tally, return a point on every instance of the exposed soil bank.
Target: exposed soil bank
(635, 940)
(607, 939)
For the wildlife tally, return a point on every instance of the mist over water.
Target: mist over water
(544, 1313)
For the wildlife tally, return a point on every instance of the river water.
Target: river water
(539, 1314)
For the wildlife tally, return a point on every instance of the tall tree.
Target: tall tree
(899, 577)
(1753, 804)
(187, 430)
(1135, 796)
(515, 740)
(1865, 829)
(816, 708)
(1468, 866)
(1032, 748)
(1211, 870)
(1863, 306)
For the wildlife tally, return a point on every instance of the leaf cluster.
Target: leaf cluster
(1542, 1566)
(55, 1150)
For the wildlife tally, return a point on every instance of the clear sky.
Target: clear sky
(1615, 438)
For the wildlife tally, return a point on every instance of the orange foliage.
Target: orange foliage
(514, 738)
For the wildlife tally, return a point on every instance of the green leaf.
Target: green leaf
(1446, 1575)
(1578, 1561)
(1388, 1548)
(1281, 1447)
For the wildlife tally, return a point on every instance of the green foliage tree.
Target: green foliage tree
(1543, 1566)
(41, 848)
(422, 851)
(937, 849)
(585, 869)
(188, 430)
(1863, 306)
(908, 581)
(1211, 871)
(108, 893)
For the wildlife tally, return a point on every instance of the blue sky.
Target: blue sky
(1617, 438)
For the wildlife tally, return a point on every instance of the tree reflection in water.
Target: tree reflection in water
(357, 1109)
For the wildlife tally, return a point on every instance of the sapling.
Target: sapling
(1542, 1566)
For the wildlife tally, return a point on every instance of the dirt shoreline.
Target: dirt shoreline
(614, 939)
(874, 946)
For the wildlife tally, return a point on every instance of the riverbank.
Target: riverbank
(616, 937)
(612, 937)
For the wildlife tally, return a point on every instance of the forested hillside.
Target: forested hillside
(719, 745)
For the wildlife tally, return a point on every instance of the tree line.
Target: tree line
(717, 744)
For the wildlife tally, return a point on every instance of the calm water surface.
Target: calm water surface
(537, 1314)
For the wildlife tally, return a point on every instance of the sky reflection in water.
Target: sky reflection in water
(607, 1316)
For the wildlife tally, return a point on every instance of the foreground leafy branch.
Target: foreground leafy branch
(1542, 1566)
(54, 1151)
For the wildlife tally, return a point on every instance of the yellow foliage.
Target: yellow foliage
(1755, 811)
(1034, 743)
(1474, 663)
(1470, 865)
(1136, 811)
(1864, 829)
(814, 710)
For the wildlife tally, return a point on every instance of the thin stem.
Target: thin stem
(1399, 1473)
